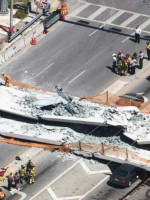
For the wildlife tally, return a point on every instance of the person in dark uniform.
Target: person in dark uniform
(10, 181)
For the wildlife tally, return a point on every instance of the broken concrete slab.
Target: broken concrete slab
(32, 138)
(75, 120)
(83, 154)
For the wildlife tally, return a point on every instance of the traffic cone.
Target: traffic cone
(45, 31)
(33, 41)
(62, 17)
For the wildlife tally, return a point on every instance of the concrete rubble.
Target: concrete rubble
(37, 105)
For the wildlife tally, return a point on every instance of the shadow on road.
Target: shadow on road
(108, 30)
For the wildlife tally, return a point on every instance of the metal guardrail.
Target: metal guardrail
(12, 37)
(51, 19)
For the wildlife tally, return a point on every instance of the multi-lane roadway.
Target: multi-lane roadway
(76, 55)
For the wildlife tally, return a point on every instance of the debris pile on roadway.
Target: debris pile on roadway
(34, 104)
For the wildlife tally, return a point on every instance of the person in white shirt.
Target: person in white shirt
(141, 57)
(133, 65)
(137, 34)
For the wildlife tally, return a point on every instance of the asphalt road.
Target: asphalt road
(78, 58)
(63, 177)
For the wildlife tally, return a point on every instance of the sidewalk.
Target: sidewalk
(124, 83)
(15, 165)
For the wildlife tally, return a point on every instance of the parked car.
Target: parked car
(135, 97)
(124, 175)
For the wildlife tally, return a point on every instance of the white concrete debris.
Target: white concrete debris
(28, 103)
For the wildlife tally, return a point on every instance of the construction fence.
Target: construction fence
(118, 101)
(111, 151)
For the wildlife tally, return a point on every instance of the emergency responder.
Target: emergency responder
(141, 57)
(148, 49)
(10, 181)
(119, 66)
(125, 66)
(29, 165)
(133, 65)
(114, 57)
(31, 176)
(22, 173)
(120, 55)
(137, 33)
(128, 57)
(7, 79)
(135, 55)
(2, 194)
(17, 179)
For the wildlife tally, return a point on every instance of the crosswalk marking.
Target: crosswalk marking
(95, 14)
(146, 23)
(113, 8)
(115, 16)
(109, 21)
(81, 8)
(130, 19)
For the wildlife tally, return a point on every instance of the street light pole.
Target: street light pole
(11, 17)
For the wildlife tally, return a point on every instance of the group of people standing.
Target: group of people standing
(25, 173)
(124, 64)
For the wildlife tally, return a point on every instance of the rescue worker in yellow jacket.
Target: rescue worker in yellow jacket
(22, 173)
(31, 176)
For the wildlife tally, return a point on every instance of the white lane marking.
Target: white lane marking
(127, 38)
(103, 180)
(96, 13)
(96, 30)
(71, 198)
(88, 171)
(23, 195)
(57, 178)
(111, 24)
(45, 69)
(115, 16)
(130, 19)
(52, 193)
(81, 8)
(146, 23)
(77, 77)
(115, 8)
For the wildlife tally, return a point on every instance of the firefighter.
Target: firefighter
(128, 57)
(148, 49)
(125, 66)
(2, 194)
(31, 176)
(29, 165)
(119, 66)
(120, 55)
(22, 173)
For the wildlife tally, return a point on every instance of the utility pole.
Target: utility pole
(3, 7)
(11, 18)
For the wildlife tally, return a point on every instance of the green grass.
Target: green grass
(21, 14)
(25, 2)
